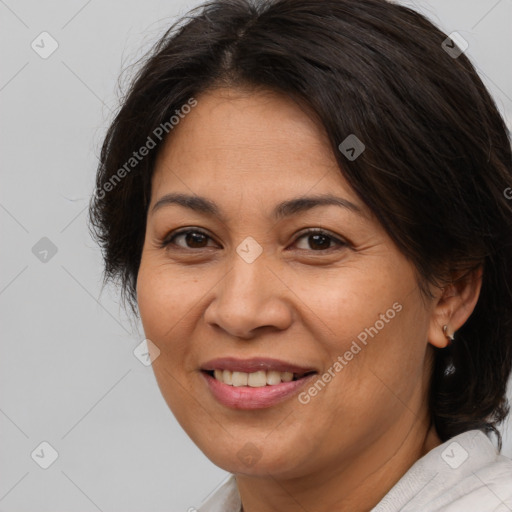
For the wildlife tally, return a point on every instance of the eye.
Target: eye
(320, 240)
(317, 239)
(193, 238)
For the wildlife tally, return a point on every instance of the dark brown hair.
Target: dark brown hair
(435, 169)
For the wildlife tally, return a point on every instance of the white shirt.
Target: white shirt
(464, 474)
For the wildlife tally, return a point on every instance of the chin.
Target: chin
(253, 461)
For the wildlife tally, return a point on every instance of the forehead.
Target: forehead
(257, 144)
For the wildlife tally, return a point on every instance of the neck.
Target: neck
(357, 486)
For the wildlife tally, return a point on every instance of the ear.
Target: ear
(454, 305)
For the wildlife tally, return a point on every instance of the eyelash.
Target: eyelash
(169, 240)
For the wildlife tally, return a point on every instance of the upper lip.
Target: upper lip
(253, 365)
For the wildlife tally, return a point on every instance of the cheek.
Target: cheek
(152, 300)
(163, 298)
(376, 325)
(169, 302)
(163, 304)
(389, 365)
(347, 306)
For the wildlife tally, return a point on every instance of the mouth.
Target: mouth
(257, 379)
(255, 373)
(254, 384)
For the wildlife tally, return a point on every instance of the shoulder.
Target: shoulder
(487, 489)
(464, 473)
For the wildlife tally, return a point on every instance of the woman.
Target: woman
(306, 203)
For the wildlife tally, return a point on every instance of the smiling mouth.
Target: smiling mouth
(256, 379)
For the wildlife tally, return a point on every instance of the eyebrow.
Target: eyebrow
(282, 210)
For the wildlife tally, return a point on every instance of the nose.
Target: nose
(249, 299)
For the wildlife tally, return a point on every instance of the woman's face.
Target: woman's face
(250, 288)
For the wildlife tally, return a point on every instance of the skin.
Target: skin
(344, 450)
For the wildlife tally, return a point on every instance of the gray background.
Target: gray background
(68, 373)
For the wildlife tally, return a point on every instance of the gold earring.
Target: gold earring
(451, 337)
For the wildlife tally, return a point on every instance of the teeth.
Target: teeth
(257, 379)
(239, 378)
(273, 378)
(254, 380)
(287, 377)
(227, 377)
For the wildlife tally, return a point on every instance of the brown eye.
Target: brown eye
(193, 239)
(318, 240)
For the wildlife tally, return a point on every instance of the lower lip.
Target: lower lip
(246, 397)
